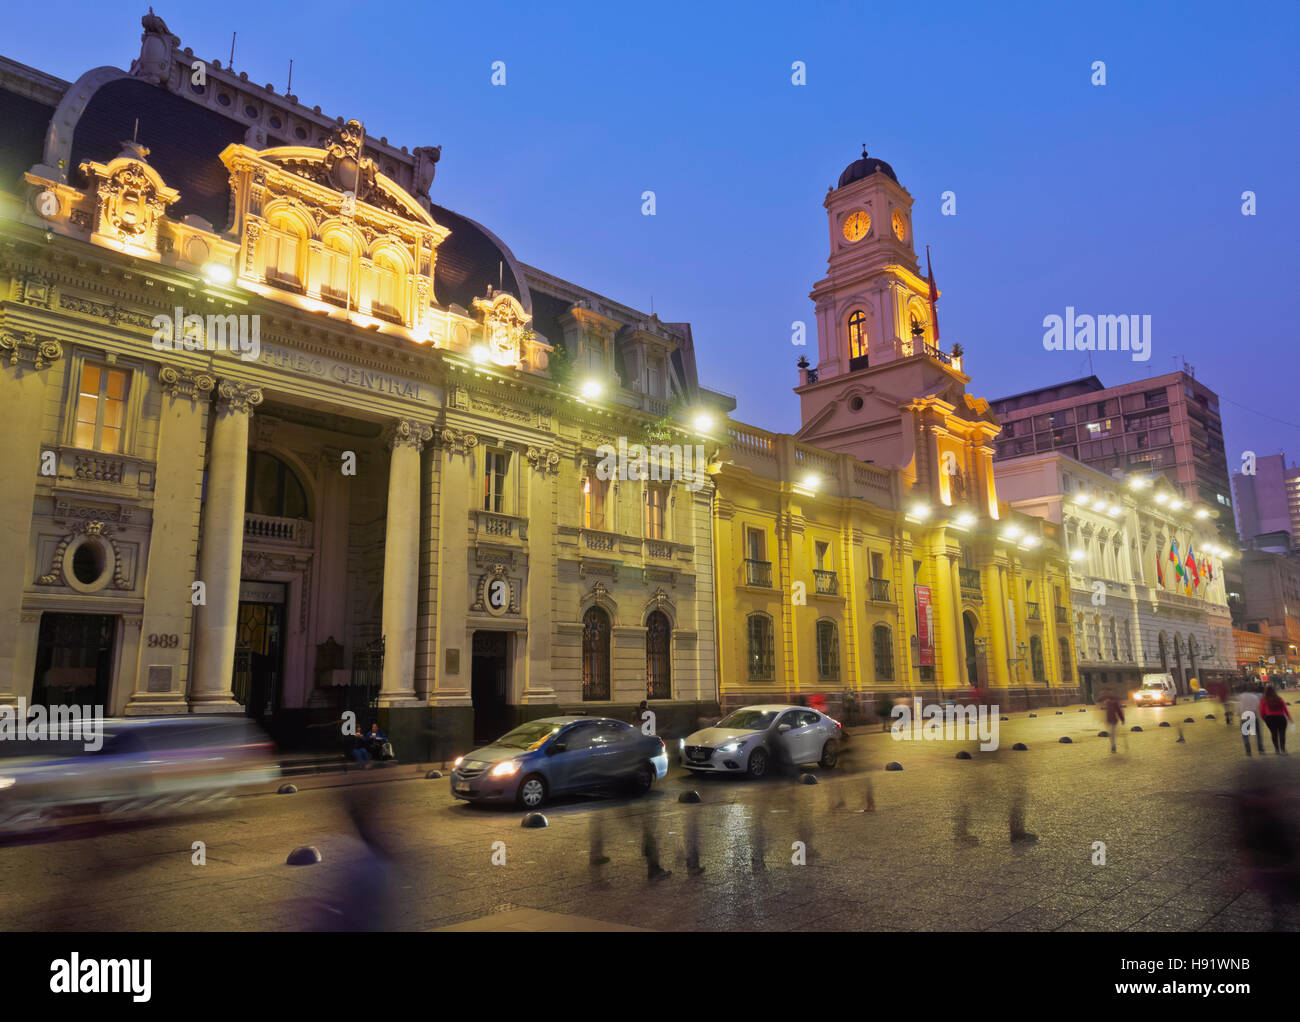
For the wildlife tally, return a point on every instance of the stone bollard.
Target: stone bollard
(807, 778)
(534, 820)
(1066, 740)
(433, 775)
(1020, 747)
(963, 754)
(894, 765)
(693, 797)
(287, 789)
(304, 855)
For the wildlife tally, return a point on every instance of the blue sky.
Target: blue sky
(1123, 198)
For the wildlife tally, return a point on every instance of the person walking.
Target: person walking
(1248, 712)
(1114, 711)
(1276, 716)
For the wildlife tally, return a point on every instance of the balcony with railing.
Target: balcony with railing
(880, 590)
(278, 531)
(1062, 616)
(1032, 611)
(758, 573)
(969, 580)
(827, 583)
(493, 527)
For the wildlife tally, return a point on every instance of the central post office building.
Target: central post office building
(283, 435)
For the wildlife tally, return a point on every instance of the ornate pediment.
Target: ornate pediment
(131, 198)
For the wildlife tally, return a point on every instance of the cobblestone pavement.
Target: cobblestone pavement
(1166, 812)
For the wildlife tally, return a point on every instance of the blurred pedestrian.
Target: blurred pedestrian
(1276, 716)
(1114, 711)
(1248, 701)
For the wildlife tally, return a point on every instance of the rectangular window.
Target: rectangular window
(877, 565)
(656, 501)
(101, 409)
(593, 500)
(823, 554)
(756, 544)
(495, 466)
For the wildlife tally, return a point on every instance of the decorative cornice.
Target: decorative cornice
(408, 433)
(233, 396)
(184, 382)
(27, 347)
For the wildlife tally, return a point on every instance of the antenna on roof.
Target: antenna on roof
(135, 135)
(289, 88)
(231, 65)
(501, 274)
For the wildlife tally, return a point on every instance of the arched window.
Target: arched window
(762, 656)
(882, 648)
(595, 654)
(388, 288)
(282, 251)
(1036, 658)
(336, 269)
(272, 488)
(858, 340)
(828, 651)
(658, 656)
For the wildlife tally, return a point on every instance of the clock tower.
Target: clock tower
(882, 389)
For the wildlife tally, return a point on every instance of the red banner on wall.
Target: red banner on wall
(924, 627)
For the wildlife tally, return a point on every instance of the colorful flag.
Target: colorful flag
(1160, 572)
(1191, 563)
(1173, 556)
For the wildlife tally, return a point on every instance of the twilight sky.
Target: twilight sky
(1115, 199)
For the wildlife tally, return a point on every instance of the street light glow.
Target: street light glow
(703, 421)
(590, 389)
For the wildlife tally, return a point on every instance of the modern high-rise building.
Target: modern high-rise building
(1268, 497)
(1167, 425)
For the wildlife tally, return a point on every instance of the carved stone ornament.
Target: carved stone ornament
(27, 347)
(458, 442)
(233, 396)
(505, 327)
(495, 593)
(345, 166)
(405, 433)
(543, 460)
(184, 383)
(131, 197)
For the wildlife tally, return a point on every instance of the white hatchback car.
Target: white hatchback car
(746, 740)
(1156, 690)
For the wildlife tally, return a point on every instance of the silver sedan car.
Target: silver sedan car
(746, 741)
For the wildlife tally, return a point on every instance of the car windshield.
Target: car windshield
(748, 720)
(528, 736)
(1153, 684)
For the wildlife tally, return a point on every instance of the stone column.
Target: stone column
(23, 405)
(949, 603)
(997, 608)
(222, 549)
(161, 670)
(959, 621)
(402, 562)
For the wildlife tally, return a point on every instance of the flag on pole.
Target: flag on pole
(1191, 563)
(1160, 574)
(934, 297)
(1173, 556)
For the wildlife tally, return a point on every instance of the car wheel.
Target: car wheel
(532, 792)
(830, 756)
(757, 765)
(643, 780)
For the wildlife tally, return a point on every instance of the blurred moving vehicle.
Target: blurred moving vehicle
(745, 741)
(147, 766)
(550, 755)
(1156, 690)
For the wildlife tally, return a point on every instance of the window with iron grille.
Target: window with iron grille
(658, 656)
(595, 654)
(828, 651)
(761, 649)
(1036, 659)
(882, 647)
(1067, 670)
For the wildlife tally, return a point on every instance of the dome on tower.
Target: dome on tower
(865, 167)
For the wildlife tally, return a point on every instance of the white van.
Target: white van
(1156, 690)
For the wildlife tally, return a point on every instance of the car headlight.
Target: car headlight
(506, 768)
(732, 747)
(6, 782)
(459, 761)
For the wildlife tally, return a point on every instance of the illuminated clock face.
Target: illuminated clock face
(900, 225)
(857, 224)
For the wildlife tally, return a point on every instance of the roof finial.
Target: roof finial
(864, 150)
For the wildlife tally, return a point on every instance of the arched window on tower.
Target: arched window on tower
(282, 251)
(388, 288)
(857, 340)
(336, 270)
